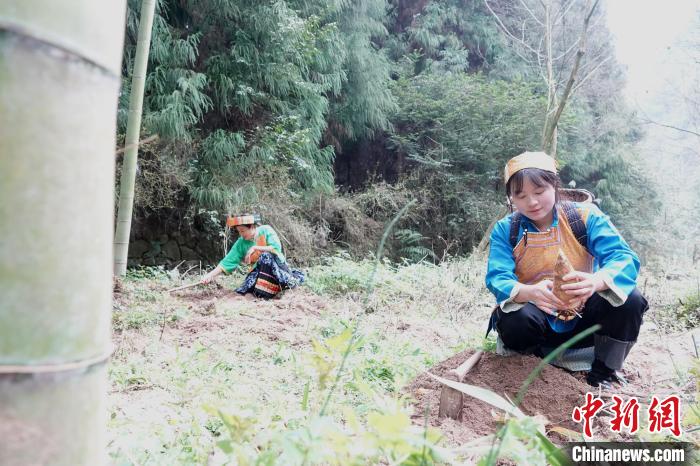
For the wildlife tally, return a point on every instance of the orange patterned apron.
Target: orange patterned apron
(535, 262)
(259, 241)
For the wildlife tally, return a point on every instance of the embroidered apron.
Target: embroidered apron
(536, 253)
(266, 285)
(259, 241)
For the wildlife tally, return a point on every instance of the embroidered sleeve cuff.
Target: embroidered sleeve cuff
(613, 294)
(509, 305)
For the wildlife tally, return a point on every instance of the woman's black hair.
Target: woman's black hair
(536, 176)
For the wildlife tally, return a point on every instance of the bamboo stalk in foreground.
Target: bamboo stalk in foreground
(59, 79)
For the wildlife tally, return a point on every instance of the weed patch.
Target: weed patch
(248, 383)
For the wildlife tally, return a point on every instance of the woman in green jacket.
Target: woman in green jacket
(259, 249)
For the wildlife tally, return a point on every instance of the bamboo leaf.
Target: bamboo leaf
(483, 394)
(555, 456)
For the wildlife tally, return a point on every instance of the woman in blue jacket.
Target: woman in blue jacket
(524, 247)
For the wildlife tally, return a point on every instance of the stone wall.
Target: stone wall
(166, 243)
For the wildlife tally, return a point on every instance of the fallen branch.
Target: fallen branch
(682, 130)
(183, 287)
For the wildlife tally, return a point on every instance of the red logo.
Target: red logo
(625, 416)
(587, 412)
(662, 414)
(665, 414)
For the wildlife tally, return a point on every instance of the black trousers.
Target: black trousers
(527, 329)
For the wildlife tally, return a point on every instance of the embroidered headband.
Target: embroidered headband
(529, 160)
(242, 220)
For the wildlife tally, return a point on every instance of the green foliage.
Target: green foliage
(596, 148)
(133, 319)
(327, 355)
(366, 102)
(440, 113)
(460, 130)
(386, 433)
(277, 68)
(146, 316)
(692, 414)
(128, 377)
(687, 312)
(489, 344)
(379, 372)
(339, 276)
(146, 272)
(174, 95)
(450, 35)
(252, 86)
(198, 395)
(254, 99)
(410, 246)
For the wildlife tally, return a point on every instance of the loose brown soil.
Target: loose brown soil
(283, 318)
(553, 394)
(650, 370)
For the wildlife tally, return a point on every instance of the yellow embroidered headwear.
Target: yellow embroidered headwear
(530, 160)
(242, 220)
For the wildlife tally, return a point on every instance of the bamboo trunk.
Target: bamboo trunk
(133, 129)
(59, 80)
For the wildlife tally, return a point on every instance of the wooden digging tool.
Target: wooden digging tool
(451, 399)
(183, 287)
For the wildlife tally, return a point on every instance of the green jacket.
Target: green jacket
(264, 235)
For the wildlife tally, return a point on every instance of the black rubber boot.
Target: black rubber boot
(601, 375)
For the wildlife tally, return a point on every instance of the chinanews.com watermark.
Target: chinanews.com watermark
(624, 453)
(662, 416)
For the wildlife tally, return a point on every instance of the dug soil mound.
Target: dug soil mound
(553, 394)
(203, 293)
(217, 311)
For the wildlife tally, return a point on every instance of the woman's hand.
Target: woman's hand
(583, 285)
(541, 296)
(206, 279)
(252, 249)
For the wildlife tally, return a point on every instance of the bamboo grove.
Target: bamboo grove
(311, 110)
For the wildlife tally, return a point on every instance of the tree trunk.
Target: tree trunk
(551, 79)
(549, 139)
(59, 80)
(133, 128)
